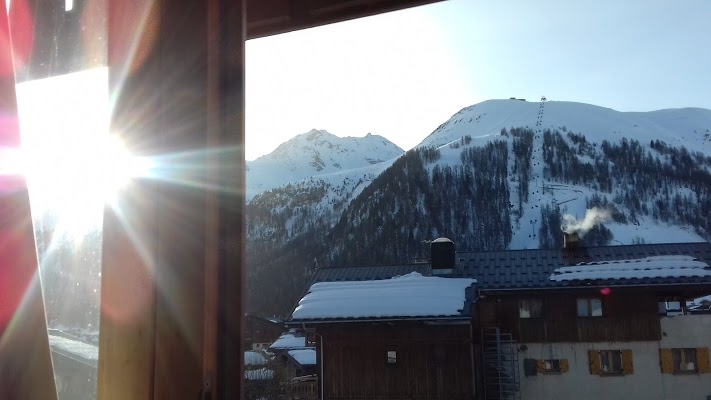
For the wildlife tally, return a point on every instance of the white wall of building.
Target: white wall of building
(646, 383)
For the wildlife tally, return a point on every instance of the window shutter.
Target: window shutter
(666, 361)
(627, 366)
(564, 367)
(540, 366)
(702, 359)
(594, 361)
(530, 367)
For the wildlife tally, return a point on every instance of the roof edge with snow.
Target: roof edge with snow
(406, 297)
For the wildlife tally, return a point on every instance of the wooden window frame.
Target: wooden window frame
(609, 356)
(552, 366)
(596, 358)
(589, 304)
(680, 354)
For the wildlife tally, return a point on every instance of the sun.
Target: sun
(72, 164)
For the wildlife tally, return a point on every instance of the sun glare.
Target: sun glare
(72, 164)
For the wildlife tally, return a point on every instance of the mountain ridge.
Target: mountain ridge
(314, 153)
(504, 181)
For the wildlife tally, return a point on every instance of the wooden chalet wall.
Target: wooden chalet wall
(627, 316)
(260, 330)
(433, 362)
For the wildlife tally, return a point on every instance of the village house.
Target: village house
(578, 322)
(260, 332)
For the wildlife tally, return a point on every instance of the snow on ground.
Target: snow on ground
(304, 356)
(648, 267)
(258, 374)
(397, 297)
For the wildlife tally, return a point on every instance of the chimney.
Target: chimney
(571, 240)
(442, 256)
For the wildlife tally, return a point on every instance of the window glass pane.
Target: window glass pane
(552, 365)
(616, 361)
(596, 305)
(524, 310)
(392, 357)
(605, 361)
(63, 106)
(583, 308)
(676, 359)
(689, 360)
(536, 308)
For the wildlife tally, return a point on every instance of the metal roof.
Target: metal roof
(531, 269)
(368, 273)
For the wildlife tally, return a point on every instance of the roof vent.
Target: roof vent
(442, 255)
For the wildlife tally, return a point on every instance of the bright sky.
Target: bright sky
(402, 74)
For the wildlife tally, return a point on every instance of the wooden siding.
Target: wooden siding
(433, 362)
(627, 316)
(260, 330)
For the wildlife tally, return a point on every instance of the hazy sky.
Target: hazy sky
(402, 74)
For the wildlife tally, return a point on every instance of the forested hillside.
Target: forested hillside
(509, 189)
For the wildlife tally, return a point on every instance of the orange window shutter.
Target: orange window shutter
(702, 359)
(627, 365)
(666, 361)
(594, 360)
(540, 366)
(564, 366)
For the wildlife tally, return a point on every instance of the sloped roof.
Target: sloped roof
(368, 273)
(254, 358)
(407, 296)
(305, 356)
(532, 269)
(289, 340)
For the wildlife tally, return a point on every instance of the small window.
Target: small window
(551, 366)
(392, 357)
(530, 308)
(684, 361)
(589, 307)
(611, 362)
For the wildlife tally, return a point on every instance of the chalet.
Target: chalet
(578, 322)
(407, 337)
(260, 332)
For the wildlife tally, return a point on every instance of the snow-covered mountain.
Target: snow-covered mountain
(689, 127)
(316, 153)
(499, 174)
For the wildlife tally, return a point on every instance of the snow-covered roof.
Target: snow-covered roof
(77, 348)
(304, 356)
(289, 341)
(258, 374)
(411, 295)
(648, 267)
(254, 358)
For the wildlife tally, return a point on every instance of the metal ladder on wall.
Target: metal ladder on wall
(500, 361)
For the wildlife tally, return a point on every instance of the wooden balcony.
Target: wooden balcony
(591, 329)
(304, 388)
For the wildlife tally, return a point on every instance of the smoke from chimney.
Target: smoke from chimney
(592, 217)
